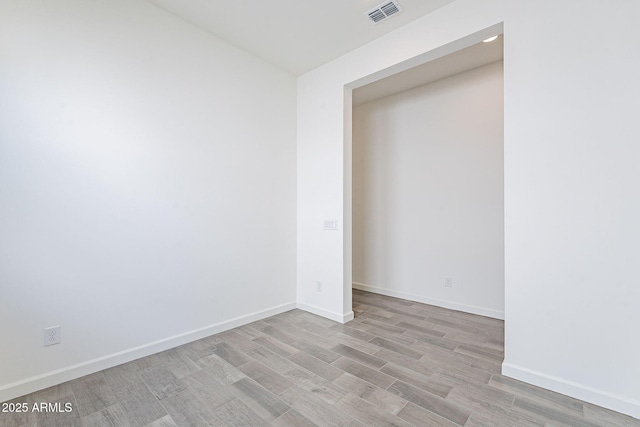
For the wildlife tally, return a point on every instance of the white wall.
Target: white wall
(428, 193)
(570, 159)
(147, 186)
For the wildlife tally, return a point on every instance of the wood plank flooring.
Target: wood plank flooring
(399, 363)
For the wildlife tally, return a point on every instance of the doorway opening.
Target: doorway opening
(427, 190)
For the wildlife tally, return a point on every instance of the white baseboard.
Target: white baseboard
(342, 318)
(598, 397)
(39, 382)
(473, 309)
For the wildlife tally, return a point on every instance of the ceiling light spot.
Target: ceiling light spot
(490, 39)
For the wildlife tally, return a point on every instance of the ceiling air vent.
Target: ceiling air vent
(383, 11)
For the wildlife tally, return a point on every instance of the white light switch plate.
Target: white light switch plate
(330, 224)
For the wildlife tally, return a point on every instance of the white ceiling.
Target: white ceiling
(296, 35)
(458, 62)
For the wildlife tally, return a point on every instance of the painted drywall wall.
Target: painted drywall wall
(570, 159)
(147, 186)
(428, 193)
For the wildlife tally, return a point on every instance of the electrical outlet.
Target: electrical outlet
(448, 282)
(52, 336)
(318, 286)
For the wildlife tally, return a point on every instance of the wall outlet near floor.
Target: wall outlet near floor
(318, 286)
(51, 336)
(448, 282)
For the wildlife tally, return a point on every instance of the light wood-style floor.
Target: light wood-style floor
(399, 363)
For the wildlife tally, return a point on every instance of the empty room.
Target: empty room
(301, 213)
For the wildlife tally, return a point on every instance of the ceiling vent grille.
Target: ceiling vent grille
(383, 11)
